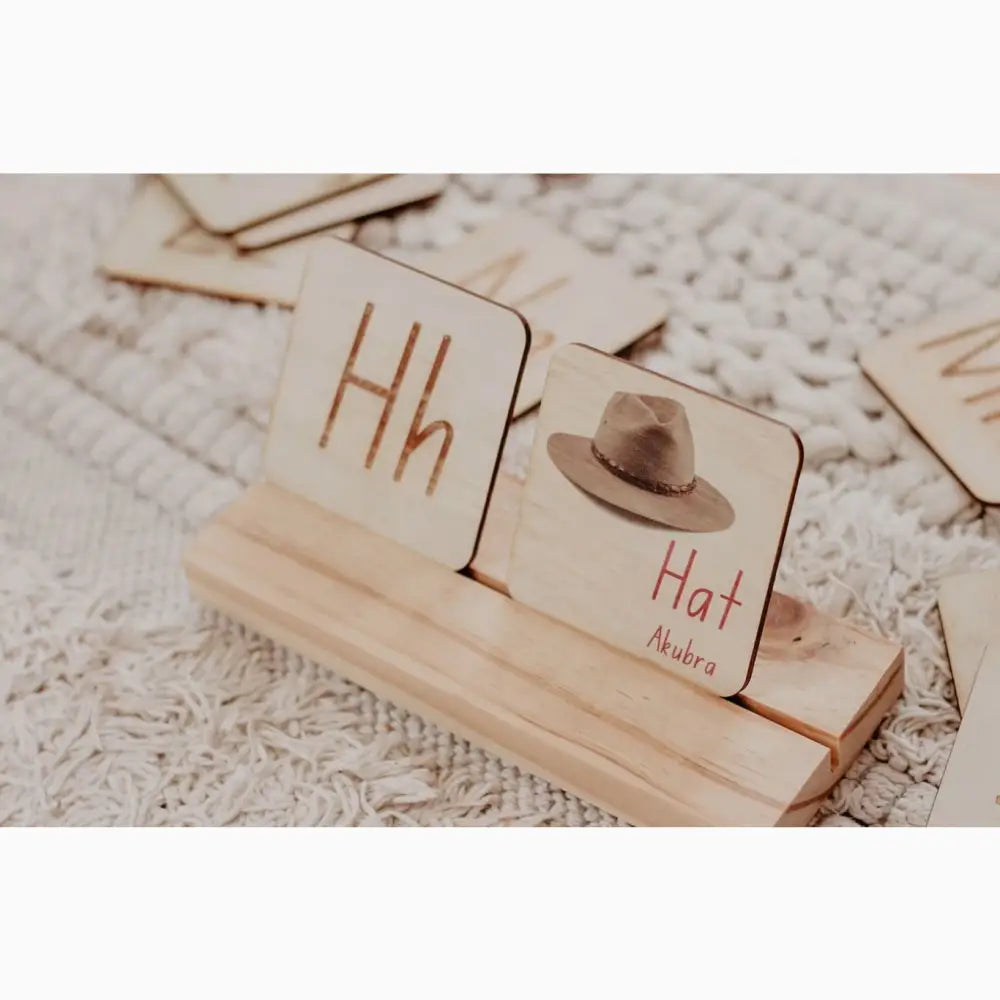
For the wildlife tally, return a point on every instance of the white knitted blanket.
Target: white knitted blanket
(128, 416)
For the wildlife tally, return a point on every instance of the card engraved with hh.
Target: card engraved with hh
(653, 516)
(394, 400)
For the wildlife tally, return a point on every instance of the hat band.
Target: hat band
(652, 485)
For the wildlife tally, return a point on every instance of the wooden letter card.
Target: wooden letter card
(970, 613)
(943, 375)
(395, 399)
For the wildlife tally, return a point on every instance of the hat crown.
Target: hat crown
(647, 437)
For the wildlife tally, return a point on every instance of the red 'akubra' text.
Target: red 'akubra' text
(699, 601)
(660, 641)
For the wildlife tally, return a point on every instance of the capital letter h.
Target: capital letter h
(417, 435)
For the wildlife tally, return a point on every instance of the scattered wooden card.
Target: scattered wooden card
(970, 615)
(394, 400)
(653, 516)
(223, 203)
(379, 196)
(970, 789)
(567, 294)
(943, 375)
(159, 243)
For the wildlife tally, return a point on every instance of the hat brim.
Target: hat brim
(703, 509)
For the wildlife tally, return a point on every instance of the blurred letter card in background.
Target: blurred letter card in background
(567, 294)
(943, 374)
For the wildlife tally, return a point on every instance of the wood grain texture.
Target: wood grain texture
(943, 375)
(223, 203)
(379, 196)
(607, 726)
(970, 616)
(823, 677)
(394, 400)
(491, 563)
(696, 584)
(160, 243)
(970, 788)
(814, 674)
(565, 292)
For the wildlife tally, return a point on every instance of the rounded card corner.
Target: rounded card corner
(800, 451)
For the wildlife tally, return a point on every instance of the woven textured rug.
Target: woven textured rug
(129, 416)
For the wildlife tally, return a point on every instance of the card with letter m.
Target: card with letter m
(394, 400)
(653, 516)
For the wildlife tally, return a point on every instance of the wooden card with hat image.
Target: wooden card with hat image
(394, 400)
(653, 516)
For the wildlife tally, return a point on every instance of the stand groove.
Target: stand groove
(594, 720)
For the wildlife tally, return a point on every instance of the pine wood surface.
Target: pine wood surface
(645, 745)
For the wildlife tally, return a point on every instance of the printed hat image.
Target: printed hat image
(641, 460)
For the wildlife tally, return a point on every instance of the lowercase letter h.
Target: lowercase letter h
(350, 378)
(417, 435)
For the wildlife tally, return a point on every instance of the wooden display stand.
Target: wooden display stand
(603, 724)
(356, 551)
